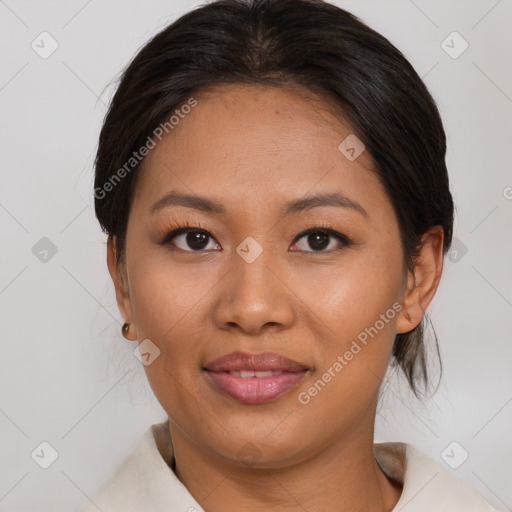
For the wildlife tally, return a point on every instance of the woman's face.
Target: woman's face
(249, 280)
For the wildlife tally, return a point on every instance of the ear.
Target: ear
(423, 282)
(120, 280)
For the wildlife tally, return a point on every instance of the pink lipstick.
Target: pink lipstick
(255, 378)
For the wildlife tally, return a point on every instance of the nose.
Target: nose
(255, 297)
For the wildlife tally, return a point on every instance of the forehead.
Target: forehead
(259, 144)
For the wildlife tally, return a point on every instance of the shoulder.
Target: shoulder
(144, 480)
(426, 484)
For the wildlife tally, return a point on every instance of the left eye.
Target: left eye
(320, 239)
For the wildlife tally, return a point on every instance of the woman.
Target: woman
(271, 176)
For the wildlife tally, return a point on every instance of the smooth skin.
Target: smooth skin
(253, 149)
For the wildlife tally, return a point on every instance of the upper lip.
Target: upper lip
(267, 361)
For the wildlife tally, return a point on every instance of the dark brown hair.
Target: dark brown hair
(312, 44)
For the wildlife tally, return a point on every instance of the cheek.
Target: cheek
(166, 296)
(353, 296)
(361, 307)
(167, 308)
(353, 365)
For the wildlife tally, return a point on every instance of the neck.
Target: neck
(344, 476)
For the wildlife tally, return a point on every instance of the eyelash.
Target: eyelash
(319, 227)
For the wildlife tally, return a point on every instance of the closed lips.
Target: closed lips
(254, 379)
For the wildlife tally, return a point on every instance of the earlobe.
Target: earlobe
(423, 282)
(119, 278)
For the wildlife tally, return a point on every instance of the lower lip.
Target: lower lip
(255, 390)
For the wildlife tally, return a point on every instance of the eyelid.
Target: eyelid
(321, 229)
(320, 225)
(172, 233)
(344, 240)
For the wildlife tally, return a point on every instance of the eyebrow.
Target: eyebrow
(205, 204)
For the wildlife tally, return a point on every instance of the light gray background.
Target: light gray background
(67, 375)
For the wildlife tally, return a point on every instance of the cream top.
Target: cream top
(144, 481)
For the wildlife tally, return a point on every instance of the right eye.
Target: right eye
(189, 240)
